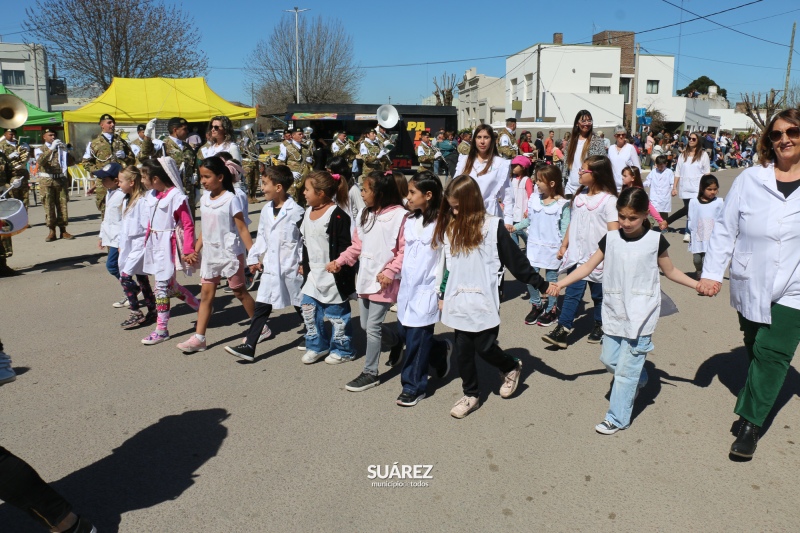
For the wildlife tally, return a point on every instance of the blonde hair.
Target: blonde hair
(133, 175)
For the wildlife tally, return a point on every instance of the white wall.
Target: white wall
(18, 56)
(730, 120)
(477, 95)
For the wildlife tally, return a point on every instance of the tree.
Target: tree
(761, 112)
(97, 40)
(444, 94)
(792, 98)
(328, 73)
(658, 119)
(701, 85)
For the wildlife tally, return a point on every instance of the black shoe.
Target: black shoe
(406, 399)
(442, 367)
(363, 382)
(548, 318)
(526, 295)
(536, 310)
(242, 351)
(596, 335)
(395, 355)
(251, 279)
(746, 440)
(558, 337)
(82, 526)
(7, 272)
(302, 345)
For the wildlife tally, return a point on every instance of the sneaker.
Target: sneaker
(464, 406)
(312, 357)
(606, 428)
(406, 399)
(444, 368)
(192, 344)
(548, 318)
(558, 337)
(135, 320)
(596, 335)
(150, 318)
(243, 351)
(510, 381)
(252, 280)
(83, 526)
(525, 296)
(363, 382)
(335, 359)
(266, 333)
(393, 308)
(395, 355)
(536, 310)
(687, 238)
(156, 337)
(7, 374)
(122, 303)
(227, 290)
(302, 345)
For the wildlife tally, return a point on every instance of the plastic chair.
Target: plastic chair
(80, 178)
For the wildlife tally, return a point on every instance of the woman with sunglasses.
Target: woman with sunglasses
(759, 237)
(622, 154)
(582, 143)
(692, 164)
(221, 131)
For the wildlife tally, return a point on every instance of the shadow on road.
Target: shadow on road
(66, 263)
(156, 465)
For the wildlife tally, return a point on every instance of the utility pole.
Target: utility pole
(634, 92)
(296, 12)
(789, 66)
(538, 75)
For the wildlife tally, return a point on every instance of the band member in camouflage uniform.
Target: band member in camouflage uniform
(507, 140)
(176, 147)
(17, 155)
(381, 135)
(425, 154)
(6, 248)
(373, 154)
(108, 147)
(142, 146)
(463, 146)
(52, 168)
(342, 147)
(297, 157)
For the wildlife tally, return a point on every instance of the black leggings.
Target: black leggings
(680, 213)
(22, 487)
(260, 319)
(467, 345)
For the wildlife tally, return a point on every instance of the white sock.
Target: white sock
(201, 338)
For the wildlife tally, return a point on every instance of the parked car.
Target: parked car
(261, 136)
(273, 137)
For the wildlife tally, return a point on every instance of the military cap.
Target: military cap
(292, 131)
(111, 170)
(48, 130)
(141, 127)
(106, 116)
(176, 122)
(512, 119)
(425, 133)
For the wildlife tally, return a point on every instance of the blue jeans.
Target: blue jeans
(317, 338)
(536, 299)
(572, 298)
(625, 359)
(421, 347)
(112, 261)
(519, 235)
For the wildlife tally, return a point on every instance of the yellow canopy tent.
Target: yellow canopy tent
(137, 100)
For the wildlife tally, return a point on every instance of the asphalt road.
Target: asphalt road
(146, 439)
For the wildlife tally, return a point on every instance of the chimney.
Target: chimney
(558, 38)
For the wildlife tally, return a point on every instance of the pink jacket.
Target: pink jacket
(184, 218)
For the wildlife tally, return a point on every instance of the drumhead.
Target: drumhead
(13, 217)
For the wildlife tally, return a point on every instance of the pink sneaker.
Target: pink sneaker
(266, 333)
(192, 344)
(156, 337)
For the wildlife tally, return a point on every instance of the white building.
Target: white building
(480, 100)
(24, 70)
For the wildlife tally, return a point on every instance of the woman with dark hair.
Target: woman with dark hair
(538, 145)
(221, 131)
(692, 165)
(525, 146)
(760, 230)
(582, 143)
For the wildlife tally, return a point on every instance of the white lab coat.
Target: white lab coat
(495, 186)
(760, 230)
(418, 298)
(112, 220)
(132, 233)
(221, 242)
(279, 247)
(159, 253)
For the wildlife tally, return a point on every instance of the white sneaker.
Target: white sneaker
(266, 333)
(687, 238)
(393, 308)
(335, 359)
(122, 303)
(311, 356)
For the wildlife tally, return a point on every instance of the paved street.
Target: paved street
(146, 439)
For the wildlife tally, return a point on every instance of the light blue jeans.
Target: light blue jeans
(625, 359)
(536, 299)
(317, 338)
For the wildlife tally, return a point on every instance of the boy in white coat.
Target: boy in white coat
(278, 251)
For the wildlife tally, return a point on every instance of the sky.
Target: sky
(451, 37)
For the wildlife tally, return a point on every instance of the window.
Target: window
(528, 86)
(13, 77)
(625, 89)
(652, 86)
(513, 95)
(600, 83)
(599, 89)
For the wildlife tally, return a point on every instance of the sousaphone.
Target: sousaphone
(13, 111)
(388, 118)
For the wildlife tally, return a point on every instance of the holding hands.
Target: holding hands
(554, 289)
(384, 281)
(333, 267)
(707, 287)
(190, 259)
(255, 268)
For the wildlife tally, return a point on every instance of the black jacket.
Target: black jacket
(338, 241)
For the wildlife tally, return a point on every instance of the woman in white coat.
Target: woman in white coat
(622, 154)
(692, 164)
(760, 232)
(221, 130)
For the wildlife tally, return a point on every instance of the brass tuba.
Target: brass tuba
(13, 112)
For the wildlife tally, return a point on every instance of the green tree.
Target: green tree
(701, 85)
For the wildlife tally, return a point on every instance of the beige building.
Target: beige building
(480, 100)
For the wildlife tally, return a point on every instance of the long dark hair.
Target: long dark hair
(705, 181)
(153, 169)
(339, 165)
(217, 165)
(426, 182)
(636, 199)
(573, 138)
(385, 194)
(473, 150)
(602, 174)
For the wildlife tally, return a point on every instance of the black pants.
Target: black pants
(259, 319)
(22, 487)
(467, 344)
(680, 213)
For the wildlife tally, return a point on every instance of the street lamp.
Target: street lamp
(296, 12)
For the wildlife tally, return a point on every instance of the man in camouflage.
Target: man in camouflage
(507, 140)
(373, 154)
(176, 147)
(464, 145)
(296, 155)
(425, 154)
(142, 146)
(17, 154)
(107, 147)
(6, 249)
(51, 163)
(250, 150)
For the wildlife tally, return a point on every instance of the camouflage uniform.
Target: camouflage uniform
(183, 156)
(371, 160)
(296, 161)
(426, 160)
(54, 186)
(101, 153)
(250, 167)
(6, 249)
(346, 150)
(17, 168)
(511, 151)
(463, 147)
(146, 149)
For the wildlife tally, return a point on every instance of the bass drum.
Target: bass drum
(13, 217)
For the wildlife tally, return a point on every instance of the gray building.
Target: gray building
(24, 70)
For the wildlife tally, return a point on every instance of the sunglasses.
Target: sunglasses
(217, 127)
(791, 133)
(619, 135)
(692, 139)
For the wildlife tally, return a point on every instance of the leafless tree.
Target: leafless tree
(444, 94)
(328, 73)
(792, 98)
(761, 112)
(97, 40)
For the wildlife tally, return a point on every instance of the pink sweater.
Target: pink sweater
(392, 269)
(184, 218)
